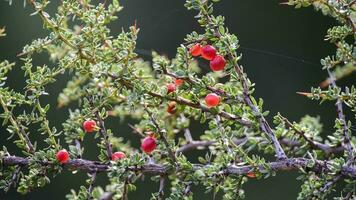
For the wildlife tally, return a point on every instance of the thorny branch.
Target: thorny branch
(283, 163)
(319, 166)
(162, 135)
(341, 116)
(183, 101)
(103, 131)
(265, 127)
(19, 128)
(327, 149)
(91, 186)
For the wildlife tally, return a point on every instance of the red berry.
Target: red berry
(171, 88)
(148, 144)
(171, 107)
(212, 100)
(195, 50)
(178, 82)
(218, 63)
(251, 175)
(118, 156)
(208, 52)
(89, 126)
(62, 156)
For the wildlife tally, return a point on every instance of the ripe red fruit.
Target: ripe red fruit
(212, 100)
(178, 82)
(118, 156)
(195, 50)
(171, 107)
(218, 63)
(251, 175)
(89, 126)
(171, 88)
(148, 144)
(208, 52)
(62, 156)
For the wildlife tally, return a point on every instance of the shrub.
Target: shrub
(109, 79)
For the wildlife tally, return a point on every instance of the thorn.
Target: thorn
(135, 24)
(284, 3)
(307, 94)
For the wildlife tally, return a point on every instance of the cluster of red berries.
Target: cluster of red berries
(149, 143)
(208, 52)
(62, 156)
(89, 126)
(217, 63)
(171, 87)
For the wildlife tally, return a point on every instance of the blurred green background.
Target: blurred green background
(281, 51)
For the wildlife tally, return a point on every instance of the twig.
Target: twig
(265, 127)
(135, 130)
(210, 88)
(162, 135)
(78, 147)
(18, 127)
(341, 116)
(186, 102)
(102, 130)
(14, 178)
(314, 144)
(349, 196)
(330, 183)
(187, 189)
(91, 186)
(107, 196)
(188, 135)
(124, 193)
(161, 188)
(194, 145)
